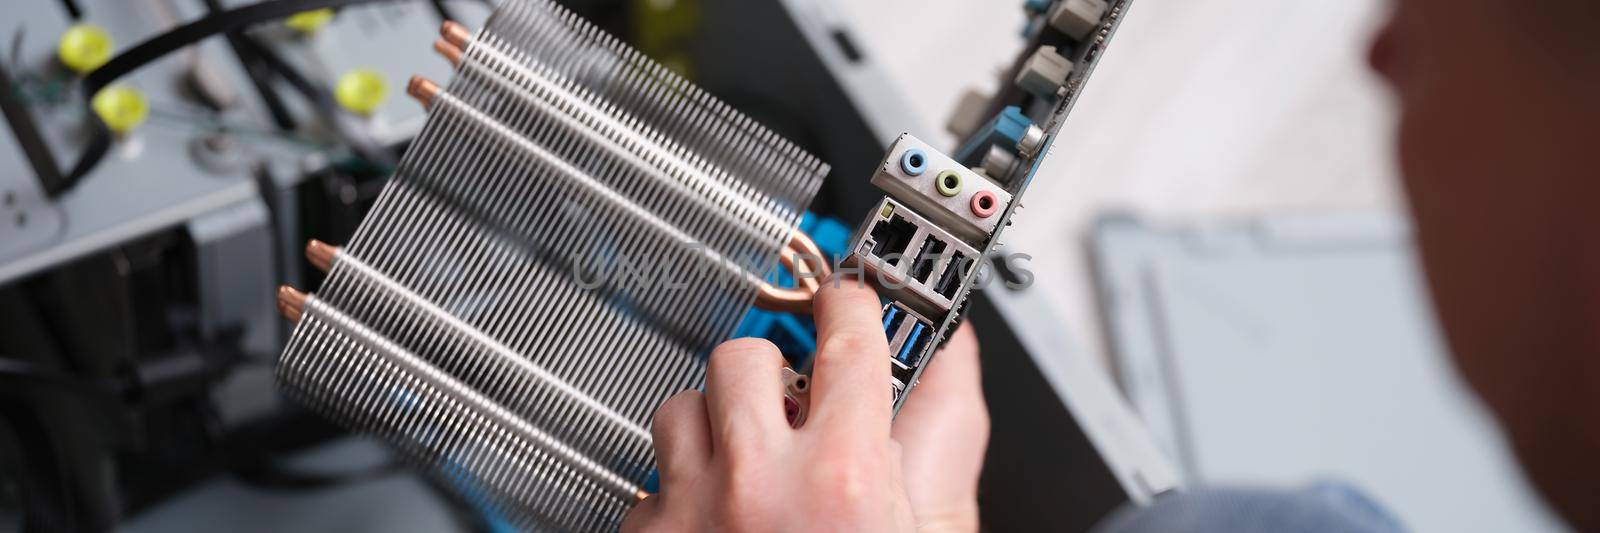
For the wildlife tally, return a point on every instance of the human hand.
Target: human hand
(729, 461)
(943, 431)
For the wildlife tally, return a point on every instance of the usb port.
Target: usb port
(927, 258)
(913, 344)
(891, 321)
(901, 372)
(951, 279)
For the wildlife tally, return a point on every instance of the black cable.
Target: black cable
(99, 144)
(443, 12)
(261, 62)
(165, 43)
(26, 131)
(345, 126)
(260, 76)
(73, 11)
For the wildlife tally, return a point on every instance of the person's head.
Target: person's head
(1500, 149)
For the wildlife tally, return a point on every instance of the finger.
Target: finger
(643, 517)
(682, 435)
(850, 372)
(953, 372)
(951, 389)
(943, 429)
(744, 394)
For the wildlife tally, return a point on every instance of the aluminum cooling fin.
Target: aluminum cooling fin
(570, 234)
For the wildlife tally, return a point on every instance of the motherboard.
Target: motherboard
(931, 241)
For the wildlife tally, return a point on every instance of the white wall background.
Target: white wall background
(1200, 108)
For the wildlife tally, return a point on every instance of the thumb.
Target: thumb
(943, 429)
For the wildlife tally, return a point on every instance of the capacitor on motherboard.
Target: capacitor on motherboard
(308, 22)
(1044, 72)
(120, 107)
(84, 47)
(361, 91)
(1078, 18)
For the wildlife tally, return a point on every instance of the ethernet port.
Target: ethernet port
(891, 238)
(927, 257)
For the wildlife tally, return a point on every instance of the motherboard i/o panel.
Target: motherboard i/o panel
(963, 201)
(927, 243)
(913, 258)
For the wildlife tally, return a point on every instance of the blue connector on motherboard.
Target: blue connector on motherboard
(913, 342)
(796, 335)
(891, 321)
(1005, 129)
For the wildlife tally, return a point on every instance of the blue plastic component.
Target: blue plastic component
(652, 484)
(831, 235)
(911, 342)
(914, 162)
(796, 335)
(888, 320)
(1005, 129)
(1035, 6)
